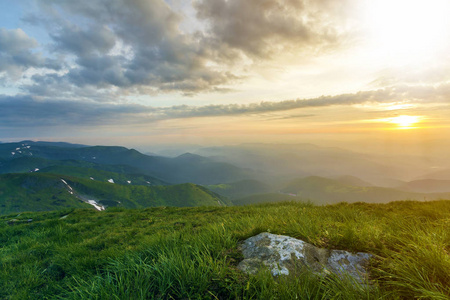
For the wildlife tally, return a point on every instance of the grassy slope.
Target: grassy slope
(43, 192)
(139, 196)
(190, 253)
(35, 192)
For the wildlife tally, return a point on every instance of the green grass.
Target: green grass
(191, 253)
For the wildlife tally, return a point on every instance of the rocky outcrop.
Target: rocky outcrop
(284, 255)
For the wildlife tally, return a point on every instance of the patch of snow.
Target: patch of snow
(31, 153)
(28, 147)
(128, 181)
(96, 205)
(17, 149)
(71, 189)
(148, 182)
(111, 180)
(35, 170)
(93, 157)
(91, 178)
(13, 153)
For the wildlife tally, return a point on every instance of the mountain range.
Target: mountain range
(47, 175)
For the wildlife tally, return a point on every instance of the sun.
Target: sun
(404, 121)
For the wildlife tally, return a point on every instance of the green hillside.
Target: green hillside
(25, 164)
(35, 192)
(192, 253)
(43, 192)
(83, 169)
(104, 176)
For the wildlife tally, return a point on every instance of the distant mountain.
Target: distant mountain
(437, 175)
(427, 186)
(30, 148)
(42, 192)
(289, 161)
(202, 170)
(324, 190)
(241, 188)
(181, 169)
(352, 180)
(54, 144)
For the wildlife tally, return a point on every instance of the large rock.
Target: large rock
(283, 255)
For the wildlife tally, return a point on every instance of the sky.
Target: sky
(369, 75)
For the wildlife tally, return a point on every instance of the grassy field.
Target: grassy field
(191, 253)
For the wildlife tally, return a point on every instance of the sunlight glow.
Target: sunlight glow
(408, 29)
(404, 121)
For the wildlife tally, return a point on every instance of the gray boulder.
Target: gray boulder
(284, 255)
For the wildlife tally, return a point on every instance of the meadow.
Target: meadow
(192, 253)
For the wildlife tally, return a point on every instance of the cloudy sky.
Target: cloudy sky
(145, 72)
